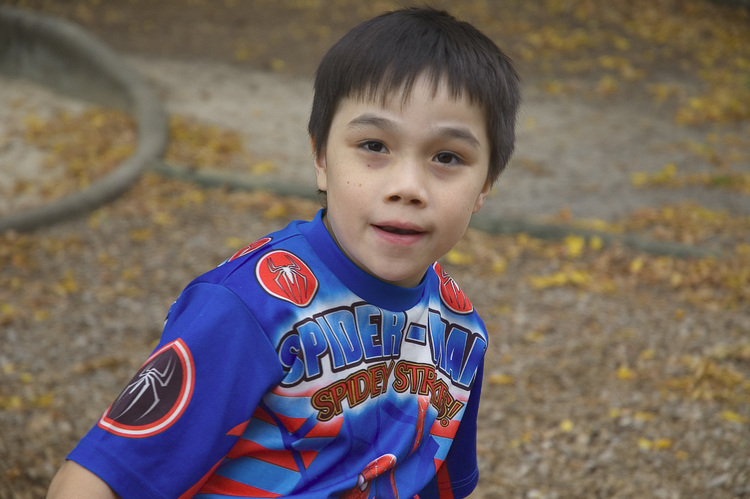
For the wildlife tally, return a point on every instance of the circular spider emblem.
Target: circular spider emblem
(157, 395)
(285, 276)
(451, 294)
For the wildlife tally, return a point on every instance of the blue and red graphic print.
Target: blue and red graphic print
(287, 371)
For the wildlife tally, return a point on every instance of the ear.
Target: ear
(321, 170)
(482, 196)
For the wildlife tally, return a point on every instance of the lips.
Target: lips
(398, 230)
(400, 233)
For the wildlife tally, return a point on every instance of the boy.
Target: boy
(335, 358)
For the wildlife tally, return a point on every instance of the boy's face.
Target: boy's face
(403, 181)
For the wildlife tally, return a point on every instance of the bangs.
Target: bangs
(388, 54)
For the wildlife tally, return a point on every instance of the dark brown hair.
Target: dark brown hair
(390, 52)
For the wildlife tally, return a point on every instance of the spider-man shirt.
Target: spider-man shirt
(287, 371)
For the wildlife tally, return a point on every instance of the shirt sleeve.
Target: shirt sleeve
(180, 414)
(459, 473)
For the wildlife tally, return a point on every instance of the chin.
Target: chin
(399, 279)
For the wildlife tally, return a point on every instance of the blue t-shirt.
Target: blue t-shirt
(287, 371)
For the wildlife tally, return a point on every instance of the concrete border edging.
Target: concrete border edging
(58, 54)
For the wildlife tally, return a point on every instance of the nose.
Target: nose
(407, 183)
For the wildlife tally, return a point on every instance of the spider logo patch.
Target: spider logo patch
(157, 395)
(451, 294)
(285, 276)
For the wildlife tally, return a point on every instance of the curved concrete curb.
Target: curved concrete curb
(60, 55)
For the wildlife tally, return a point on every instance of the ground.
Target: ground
(612, 372)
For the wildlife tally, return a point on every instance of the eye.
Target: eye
(373, 146)
(448, 158)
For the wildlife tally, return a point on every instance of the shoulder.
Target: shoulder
(266, 277)
(451, 294)
(276, 250)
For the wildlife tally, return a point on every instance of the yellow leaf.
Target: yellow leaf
(499, 266)
(44, 400)
(278, 65)
(639, 179)
(233, 242)
(68, 283)
(579, 277)
(607, 85)
(141, 235)
(663, 443)
(455, 257)
(733, 417)
(276, 210)
(131, 274)
(648, 354)
(566, 425)
(556, 279)
(501, 379)
(676, 279)
(636, 265)
(670, 170)
(645, 444)
(263, 167)
(41, 315)
(596, 243)
(621, 43)
(574, 245)
(534, 337)
(625, 373)
(12, 402)
(163, 219)
(7, 309)
(554, 87)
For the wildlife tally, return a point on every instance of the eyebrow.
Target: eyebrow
(371, 120)
(450, 132)
(459, 133)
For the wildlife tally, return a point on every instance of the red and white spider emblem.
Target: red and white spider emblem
(374, 469)
(285, 276)
(156, 396)
(451, 294)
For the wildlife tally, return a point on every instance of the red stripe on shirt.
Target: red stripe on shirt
(445, 489)
(248, 448)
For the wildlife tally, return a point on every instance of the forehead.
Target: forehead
(422, 97)
(435, 86)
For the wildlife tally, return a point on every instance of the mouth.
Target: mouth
(400, 231)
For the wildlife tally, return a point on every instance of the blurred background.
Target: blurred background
(618, 300)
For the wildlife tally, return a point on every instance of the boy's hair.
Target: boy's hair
(390, 52)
